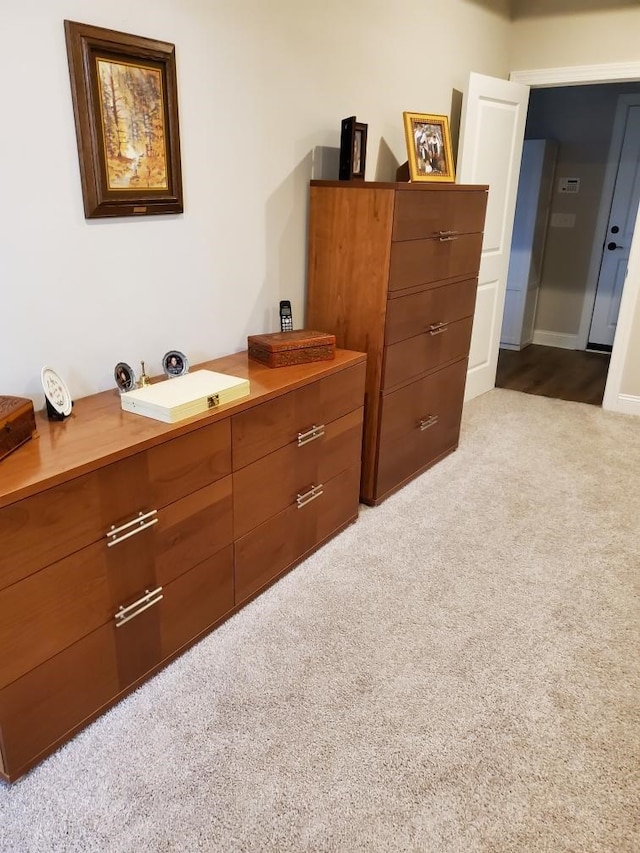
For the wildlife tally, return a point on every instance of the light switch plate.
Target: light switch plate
(563, 220)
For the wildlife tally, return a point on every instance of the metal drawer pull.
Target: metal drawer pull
(425, 423)
(125, 614)
(113, 537)
(447, 233)
(310, 434)
(447, 239)
(437, 328)
(313, 493)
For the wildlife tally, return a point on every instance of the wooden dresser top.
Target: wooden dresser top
(418, 186)
(99, 432)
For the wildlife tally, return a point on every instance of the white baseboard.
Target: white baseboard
(520, 346)
(555, 339)
(627, 404)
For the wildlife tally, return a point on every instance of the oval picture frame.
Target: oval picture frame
(175, 363)
(124, 376)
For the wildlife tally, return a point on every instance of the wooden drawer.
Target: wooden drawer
(273, 547)
(419, 424)
(39, 530)
(411, 358)
(192, 529)
(196, 601)
(45, 705)
(273, 483)
(55, 607)
(412, 315)
(274, 424)
(429, 214)
(174, 615)
(419, 262)
(38, 710)
(190, 462)
(50, 610)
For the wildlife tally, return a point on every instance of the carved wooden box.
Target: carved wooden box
(301, 346)
(17, 423)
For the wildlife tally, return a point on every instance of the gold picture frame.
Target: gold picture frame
(429, 151)
(125, 103)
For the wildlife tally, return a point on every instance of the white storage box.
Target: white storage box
(184, 396)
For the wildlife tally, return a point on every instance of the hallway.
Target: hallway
(552, 372)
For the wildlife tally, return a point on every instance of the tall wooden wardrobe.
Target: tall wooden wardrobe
(392, 271)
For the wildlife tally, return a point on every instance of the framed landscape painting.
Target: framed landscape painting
(125, 105)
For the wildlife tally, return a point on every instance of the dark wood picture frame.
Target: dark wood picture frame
(353, 149)
(125, 103)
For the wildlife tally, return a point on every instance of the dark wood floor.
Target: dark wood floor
(551, 372)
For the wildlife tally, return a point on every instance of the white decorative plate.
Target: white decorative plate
(56, 391)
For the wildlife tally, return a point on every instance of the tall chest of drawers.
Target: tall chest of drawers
(123, 540)
(392, 271)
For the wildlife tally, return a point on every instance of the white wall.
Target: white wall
(263, 85)
(546, 38)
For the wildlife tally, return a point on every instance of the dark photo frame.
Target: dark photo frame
(353, 149)
(175, 363)
(125, 104)
(124, 376)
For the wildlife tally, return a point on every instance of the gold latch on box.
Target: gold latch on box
(213, 400)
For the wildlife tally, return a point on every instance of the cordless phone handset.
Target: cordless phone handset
(286, 317)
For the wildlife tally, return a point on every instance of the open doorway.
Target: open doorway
(545, 371)
(562, 356)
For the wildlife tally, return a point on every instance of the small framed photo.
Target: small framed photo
(124, 376)
(353, 149)
(428, 141)
(174, 363)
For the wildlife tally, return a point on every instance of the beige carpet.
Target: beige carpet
(457, 672)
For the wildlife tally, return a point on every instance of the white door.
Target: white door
(528, 241)
(491, 135)
(615, 258)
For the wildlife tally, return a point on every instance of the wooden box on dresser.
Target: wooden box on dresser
(123, 539)
(392, 271)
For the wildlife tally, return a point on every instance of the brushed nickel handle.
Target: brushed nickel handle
(447, 233)
(313, 493)
(438, 328)
(125, 614)
(310, 434)
(425, 423)
(453, 236)
(113, 537)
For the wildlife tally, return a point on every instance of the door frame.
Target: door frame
(578, 75)
(624, 102)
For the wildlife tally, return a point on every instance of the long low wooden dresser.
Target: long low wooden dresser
(124, 540)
